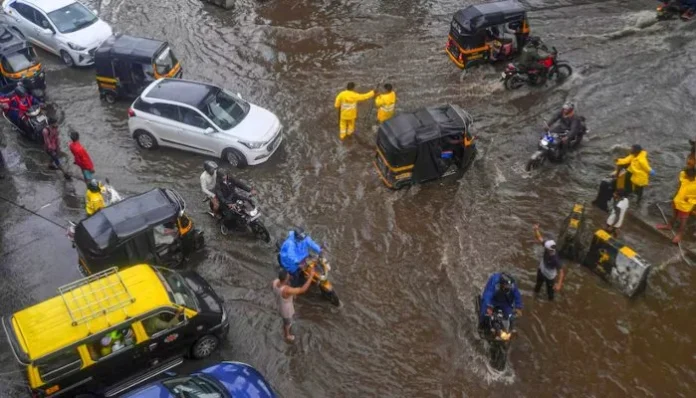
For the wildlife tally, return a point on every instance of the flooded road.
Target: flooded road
(406, 264)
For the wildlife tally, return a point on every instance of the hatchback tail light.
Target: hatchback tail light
(131, 112)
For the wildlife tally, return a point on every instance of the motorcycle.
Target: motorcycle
(35, 120)
(549, 148)
(321, 268)
(498, 334)
(670, 9)
(243, 214)
(110, 195)
(550, 68)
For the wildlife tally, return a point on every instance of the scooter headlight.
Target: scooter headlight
(254, 212)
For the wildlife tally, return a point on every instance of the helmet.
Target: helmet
(210, 166)
(93, 185)
(299, 233)
(221, 174)
(568, 108)
(506, 281)
(20, 90)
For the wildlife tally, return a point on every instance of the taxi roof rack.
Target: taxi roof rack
(96, 295)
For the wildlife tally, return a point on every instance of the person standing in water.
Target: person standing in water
(286, 296)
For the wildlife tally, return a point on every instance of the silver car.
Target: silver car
(66, 28)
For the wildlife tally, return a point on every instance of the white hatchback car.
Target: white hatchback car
(205, 119)
(64, 27)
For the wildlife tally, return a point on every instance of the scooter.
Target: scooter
(498, 334)
(670, 9)
(549, 148)
(35, 120)
(243, 214)
(321, 268)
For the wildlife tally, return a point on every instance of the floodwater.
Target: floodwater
(406, 264)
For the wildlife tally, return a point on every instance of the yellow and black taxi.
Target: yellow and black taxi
(152, 227)
(125, 65)
(113, 330)
(487, 32)
(18, 61)
(427, 144)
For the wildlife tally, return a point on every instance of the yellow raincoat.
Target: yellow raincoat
(685, 199)
(94, 201)
(347, 102)
(638, 167)
(385, 104)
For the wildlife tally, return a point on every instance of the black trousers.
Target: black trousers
(541, 279)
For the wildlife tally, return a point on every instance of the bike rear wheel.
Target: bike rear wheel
(560, 73)
(513, 82)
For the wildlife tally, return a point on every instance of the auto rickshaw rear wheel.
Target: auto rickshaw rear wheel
(110, 98)
(205, 346)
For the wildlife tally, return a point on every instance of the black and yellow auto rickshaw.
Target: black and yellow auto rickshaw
(148, 228)
(428, 144)
(18, 62)
(487, 32)
(125, 65)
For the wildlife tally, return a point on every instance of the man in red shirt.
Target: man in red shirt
(82, 159)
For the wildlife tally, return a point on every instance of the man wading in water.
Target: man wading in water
(550, 270)
(286, 295)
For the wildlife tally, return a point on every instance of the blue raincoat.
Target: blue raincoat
(293, 253)
(494, 296)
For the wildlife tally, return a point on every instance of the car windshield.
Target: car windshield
(165, 61)
(19, 61)
(178, 291)
(193, 387)
(72, 18)
(224, 109)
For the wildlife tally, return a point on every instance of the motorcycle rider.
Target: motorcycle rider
(208, 180)
(501, 293)
(226, 190)
(94, 198)
(568, 121)
(529, 58)
(294, 252)
(20, 103)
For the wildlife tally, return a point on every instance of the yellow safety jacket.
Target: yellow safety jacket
(347, 102)
(385, 104)
(638, 167)
(94, 201)
(685, 199)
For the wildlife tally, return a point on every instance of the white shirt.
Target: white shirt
(619, 207)
(208, 183)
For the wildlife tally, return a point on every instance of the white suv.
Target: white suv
(206, 119)
(64, 27)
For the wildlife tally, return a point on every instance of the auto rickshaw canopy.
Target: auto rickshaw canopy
(481, 16)
(126, 48)
(416, 138)
(11, 42)
(111, 227)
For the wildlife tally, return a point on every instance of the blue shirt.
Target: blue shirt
(294, 252)
(493, 296)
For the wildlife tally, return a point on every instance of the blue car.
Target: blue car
(224, 380)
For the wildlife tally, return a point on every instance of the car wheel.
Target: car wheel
(67, 59)
(205, 346)
(145, 140)
(234, 158)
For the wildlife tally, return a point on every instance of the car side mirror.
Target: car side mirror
(48, 32)
(95, 12)
(239, 95)
(209, 131)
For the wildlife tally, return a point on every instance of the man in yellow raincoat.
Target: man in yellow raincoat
(638, 171)
(683, 202)
(347, 106)
(385, 103)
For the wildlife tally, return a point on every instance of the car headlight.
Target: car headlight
(252, 144)
(76, 47)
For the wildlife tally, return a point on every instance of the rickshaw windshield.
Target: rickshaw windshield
(224, 109)
(19, 61)
(165, 61)
(177, 289)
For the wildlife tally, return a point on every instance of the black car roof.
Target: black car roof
(136, 48)
(489, 14)
(186, 92)
(118, 222)
(406, 130)
(10, 41)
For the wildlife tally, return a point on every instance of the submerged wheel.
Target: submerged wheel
(67, 59)
(234, 158)
(205, 346)
(533, 163)
(331, 296)
(145, 140)
(110, 98)
(223, 229)
(260, 231)
(560, 73)
(498, 356)
(514, 82)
